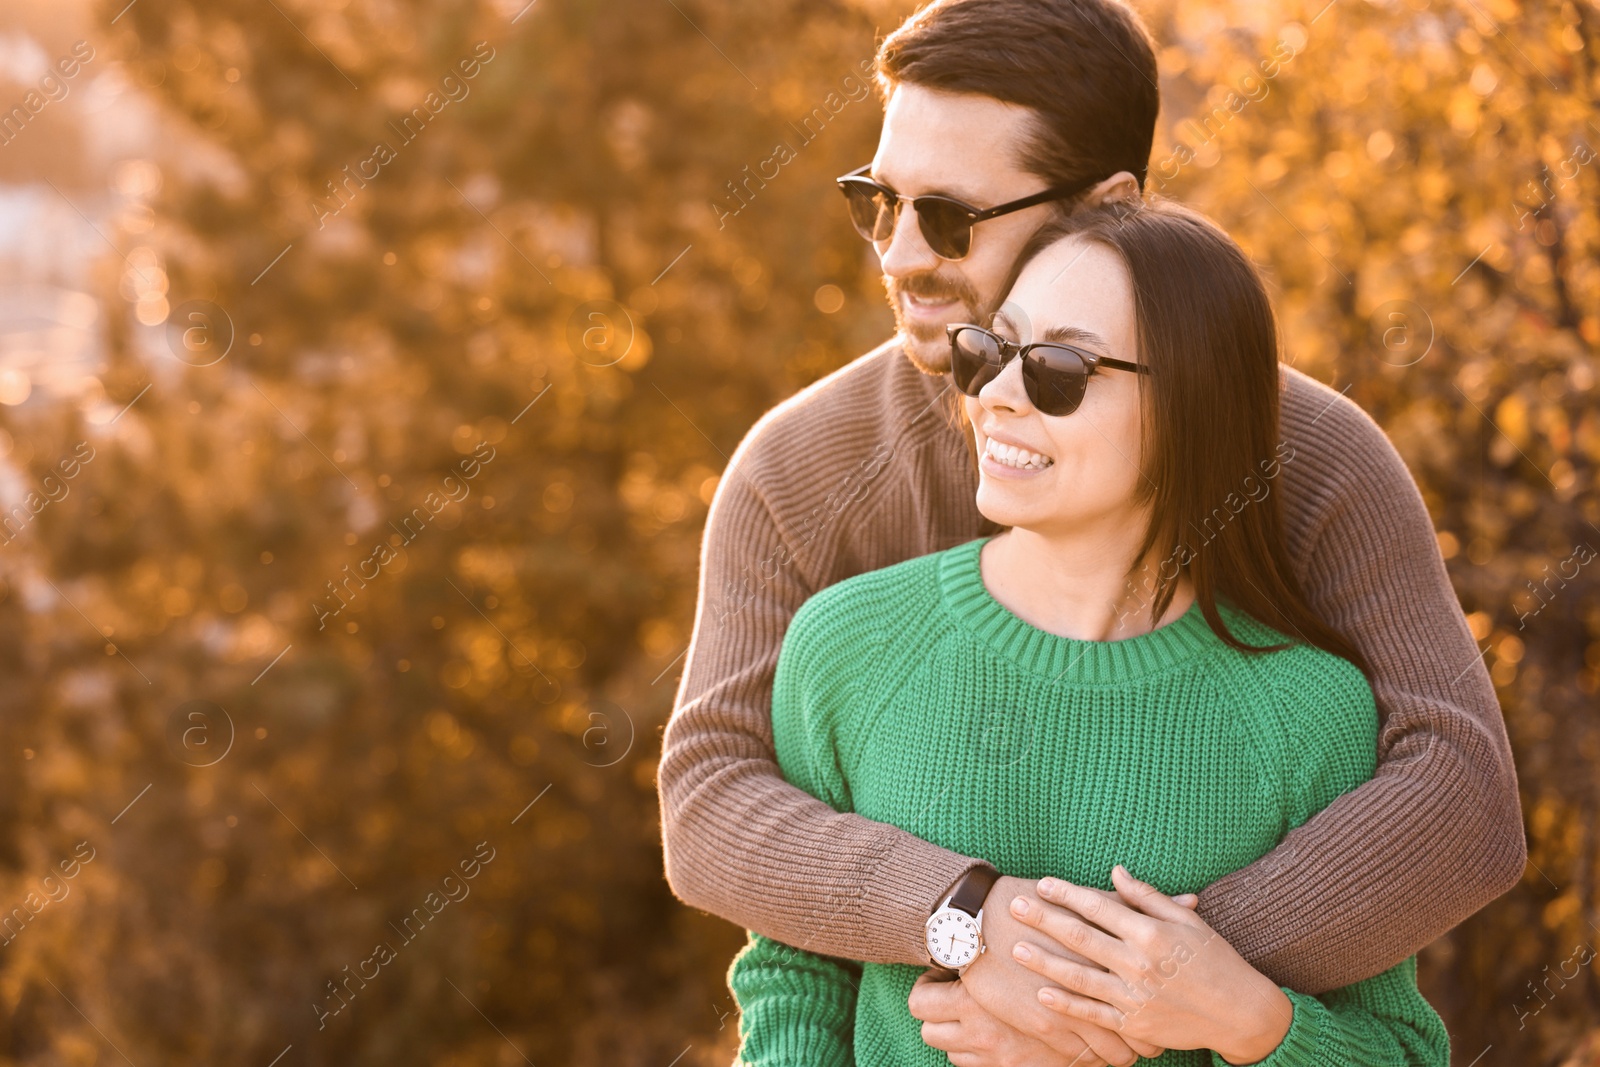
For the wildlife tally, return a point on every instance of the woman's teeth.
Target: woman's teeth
(1020, 458)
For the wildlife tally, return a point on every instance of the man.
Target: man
(989, 102)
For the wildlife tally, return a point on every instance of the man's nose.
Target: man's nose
(907, 251)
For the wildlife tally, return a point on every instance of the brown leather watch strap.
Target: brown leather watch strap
(973, 889)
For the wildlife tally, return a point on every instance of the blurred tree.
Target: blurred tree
(400, 311)
(582, 269)
(1420, 182)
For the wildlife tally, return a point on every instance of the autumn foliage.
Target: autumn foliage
(553, 272)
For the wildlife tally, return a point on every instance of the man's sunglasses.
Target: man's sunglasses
(1054, 374)
(946, 223)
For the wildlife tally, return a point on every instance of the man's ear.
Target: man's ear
(1121, 186)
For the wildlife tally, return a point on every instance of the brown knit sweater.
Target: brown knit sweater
(869, 467)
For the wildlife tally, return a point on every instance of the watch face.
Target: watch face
(954, 938)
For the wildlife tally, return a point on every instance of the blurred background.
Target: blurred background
(366, 367)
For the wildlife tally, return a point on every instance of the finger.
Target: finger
(944, 1036)
(1088, 1058)
(1074, 934)
(1088, 1009)
(1071, 955)
(1148, 899)
(1104, 910)
(1074, 977)
(1187, 900)
(934, 1002)
(1149, 1052)
(1108, 894)
(1104, 1046)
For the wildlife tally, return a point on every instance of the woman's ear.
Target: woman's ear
(1120, 187)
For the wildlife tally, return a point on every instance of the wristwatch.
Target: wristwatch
(955, 929)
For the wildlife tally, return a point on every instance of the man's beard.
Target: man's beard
(925, 345)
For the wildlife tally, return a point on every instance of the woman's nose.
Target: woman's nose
(1006, 390)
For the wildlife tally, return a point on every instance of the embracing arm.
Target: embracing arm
(1437, 834)
(740, 842)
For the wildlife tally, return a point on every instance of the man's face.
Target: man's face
(967, 147)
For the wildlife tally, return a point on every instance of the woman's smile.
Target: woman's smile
(1005, 458)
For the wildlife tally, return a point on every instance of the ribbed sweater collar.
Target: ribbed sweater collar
(1063, 658)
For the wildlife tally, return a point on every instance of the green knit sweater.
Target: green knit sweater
(911, 696)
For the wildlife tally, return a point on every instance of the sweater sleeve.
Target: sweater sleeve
(738, 840)
(795, 1006)
(1437, 833)
(1383, 1021)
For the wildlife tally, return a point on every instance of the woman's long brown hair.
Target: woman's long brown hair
(1207, 332)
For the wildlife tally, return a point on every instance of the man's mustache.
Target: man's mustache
(931, 285)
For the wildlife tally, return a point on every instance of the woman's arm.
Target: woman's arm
(1170, 980)
(795, 1007)
(1382, 1021)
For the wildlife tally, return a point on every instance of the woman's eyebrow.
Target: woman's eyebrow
(1076, 335)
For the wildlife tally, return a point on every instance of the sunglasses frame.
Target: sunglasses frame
(1032, 384)
(858, 179)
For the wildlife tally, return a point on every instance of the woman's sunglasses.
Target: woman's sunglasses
(1054, 374)
(946, 223)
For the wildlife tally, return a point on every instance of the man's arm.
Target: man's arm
(739, 841)
(1437, 834)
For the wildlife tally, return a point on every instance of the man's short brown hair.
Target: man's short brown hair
(1087, 69)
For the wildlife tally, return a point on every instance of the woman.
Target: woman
(1138, 618)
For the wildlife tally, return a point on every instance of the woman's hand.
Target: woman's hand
(1007, 993)
(957, 1025)
(1169, 979)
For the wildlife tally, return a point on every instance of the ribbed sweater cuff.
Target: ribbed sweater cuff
(909, 883)
(799, 1045)
(1303, 1043)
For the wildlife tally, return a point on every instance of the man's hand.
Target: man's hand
(1009, 992)
(953, 1023)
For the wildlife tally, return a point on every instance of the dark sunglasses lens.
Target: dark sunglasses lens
(1055, 380)
(946, 227)
(975, 360)
(871, 212)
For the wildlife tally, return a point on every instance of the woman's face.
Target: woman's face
(1077, 473)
